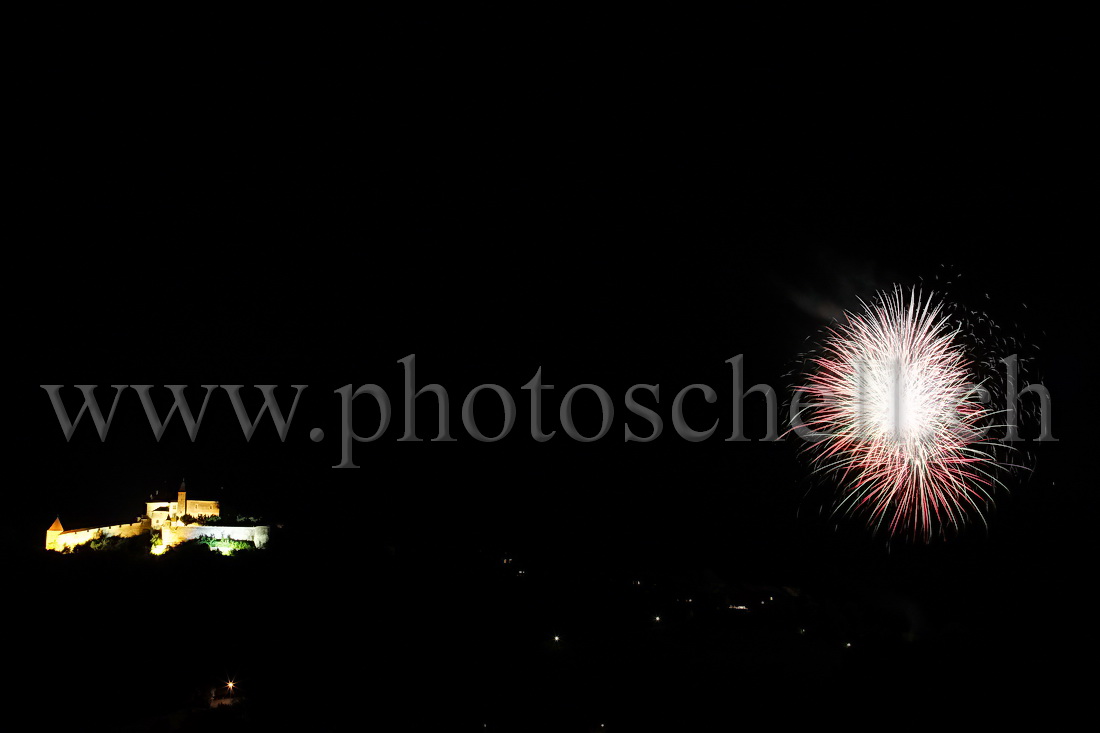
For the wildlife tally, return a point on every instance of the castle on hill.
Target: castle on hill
(176, 521)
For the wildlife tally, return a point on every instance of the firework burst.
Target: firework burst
(897, 417)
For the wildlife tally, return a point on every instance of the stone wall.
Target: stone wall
(73, 537)
(175, 535)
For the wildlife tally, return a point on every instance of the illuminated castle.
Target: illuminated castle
(177, 521)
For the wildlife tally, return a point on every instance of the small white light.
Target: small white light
(557, 638)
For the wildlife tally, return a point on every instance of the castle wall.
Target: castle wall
(73, 537)
(175, 535)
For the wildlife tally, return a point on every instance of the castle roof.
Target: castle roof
(56, 526)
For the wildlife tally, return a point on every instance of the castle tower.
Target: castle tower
(52, 534)
(181, 499)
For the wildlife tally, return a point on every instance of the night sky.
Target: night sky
(260, 222)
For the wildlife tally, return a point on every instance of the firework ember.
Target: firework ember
(899, 419)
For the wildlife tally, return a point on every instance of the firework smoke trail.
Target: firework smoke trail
(898, 418)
